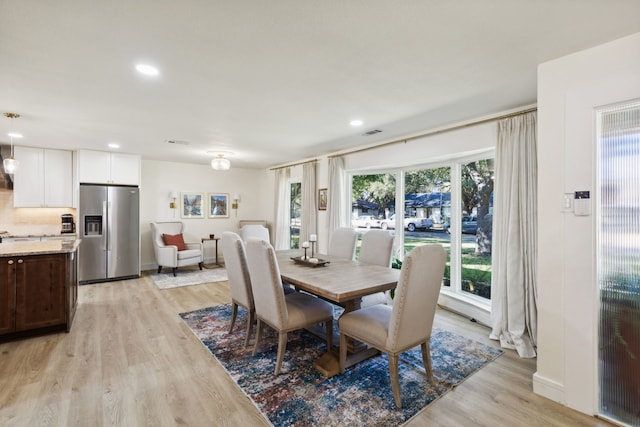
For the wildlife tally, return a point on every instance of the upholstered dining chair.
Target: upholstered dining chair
(235, 261)
(376, 248)
(394, 330)
(170, 248)
(342, 243)
(254, 230)
(282, 312)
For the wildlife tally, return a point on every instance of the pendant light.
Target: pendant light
(11, 164)
(220, 163)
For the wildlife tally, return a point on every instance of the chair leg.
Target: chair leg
(234, 313)
(258, 336)
(426, 359)
(250, 319)
(175, 269)
(159, 269)
(343, 352)
(395, 381)
(329, 325)
(282, 347)
(201, 264)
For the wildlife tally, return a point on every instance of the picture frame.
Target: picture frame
(322, 199)
(192, 205)
(218, 205)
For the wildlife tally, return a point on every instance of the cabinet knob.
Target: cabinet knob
(20, 261)
(10, 262)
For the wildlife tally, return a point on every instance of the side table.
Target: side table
(216, 263)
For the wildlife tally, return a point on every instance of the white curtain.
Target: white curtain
(514, 289)
(308, 223)
(337, 205)
(282, 238)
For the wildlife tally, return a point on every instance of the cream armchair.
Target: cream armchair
(169, 255)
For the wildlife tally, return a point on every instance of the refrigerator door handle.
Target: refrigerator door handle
(104, 229)
(109, 225)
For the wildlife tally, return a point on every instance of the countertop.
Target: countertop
(38, 248)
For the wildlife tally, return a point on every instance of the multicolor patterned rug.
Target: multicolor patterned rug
(301, 396)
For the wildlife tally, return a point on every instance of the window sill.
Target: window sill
(466, 306)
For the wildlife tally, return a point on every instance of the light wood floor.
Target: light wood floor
(129, 360)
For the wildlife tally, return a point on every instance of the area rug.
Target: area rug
(362, 396)
(188, 277)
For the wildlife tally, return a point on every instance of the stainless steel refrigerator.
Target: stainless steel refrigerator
(109, 226)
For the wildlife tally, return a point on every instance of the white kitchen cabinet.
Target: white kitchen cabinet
(43, 179)
(102, 167)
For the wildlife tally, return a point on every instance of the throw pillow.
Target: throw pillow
(175, 240)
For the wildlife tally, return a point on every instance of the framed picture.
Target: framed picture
(192, 205)
(322, 199)
(218, 205)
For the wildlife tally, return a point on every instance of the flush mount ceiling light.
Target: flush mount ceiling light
(219, 163)
(10, 164)
(113, 145)
(355, 123)
(147, 70)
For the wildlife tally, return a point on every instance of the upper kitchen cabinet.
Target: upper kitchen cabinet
(102, 167)
(44, 179)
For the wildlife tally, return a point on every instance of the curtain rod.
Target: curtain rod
(294, 164)
(436, 132)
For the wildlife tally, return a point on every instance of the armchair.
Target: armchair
(169, 255)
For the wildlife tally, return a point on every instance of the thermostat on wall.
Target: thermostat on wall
(581, 203)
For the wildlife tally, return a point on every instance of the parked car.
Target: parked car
(365, 221)
(469, 224)
(410, 223)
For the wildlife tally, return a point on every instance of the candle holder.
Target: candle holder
(313, 246)
(305, 253)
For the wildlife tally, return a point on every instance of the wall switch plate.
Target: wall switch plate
(567, 202)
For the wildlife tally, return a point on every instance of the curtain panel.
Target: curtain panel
(337, 206)
(281, 232)
(514, 288)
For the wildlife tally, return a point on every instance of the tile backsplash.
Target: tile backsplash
(29, 221)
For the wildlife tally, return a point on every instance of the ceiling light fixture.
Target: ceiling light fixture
(113, 145)
(147, 70)
(11, 164)
(220, 163)
(356, 123)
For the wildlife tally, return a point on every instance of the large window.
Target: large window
(295, 214)
(450, 204)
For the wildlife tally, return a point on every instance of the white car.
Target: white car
(411, 224)
(365, 221)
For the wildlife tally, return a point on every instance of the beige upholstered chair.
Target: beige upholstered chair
(282, 312)
(342, 243)
(235, 261)
(376, 248)
(169, 255)
(408, 323)
(254, 230)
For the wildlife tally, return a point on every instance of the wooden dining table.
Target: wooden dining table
(342, 282)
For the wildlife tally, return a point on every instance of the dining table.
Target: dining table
(339, 281)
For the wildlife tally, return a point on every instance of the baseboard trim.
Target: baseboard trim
(550, 389)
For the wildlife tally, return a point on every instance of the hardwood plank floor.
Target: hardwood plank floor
(129, 360)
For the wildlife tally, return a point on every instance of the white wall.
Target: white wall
(569, 91)
(160, 178)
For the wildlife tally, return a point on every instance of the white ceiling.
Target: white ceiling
(277, 81)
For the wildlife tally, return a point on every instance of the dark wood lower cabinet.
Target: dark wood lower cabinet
(38, 294)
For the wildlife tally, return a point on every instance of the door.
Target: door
(92, 258)
(7, 295)
(123, 225)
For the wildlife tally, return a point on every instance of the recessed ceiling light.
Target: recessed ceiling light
(355, 123)
(147, 70)
(113, 145)
(14, 135)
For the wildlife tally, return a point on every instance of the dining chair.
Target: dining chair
(281, 312)
(235, 261)
(394, 330)
(254, 230)
(343, 242)
(376, 248)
